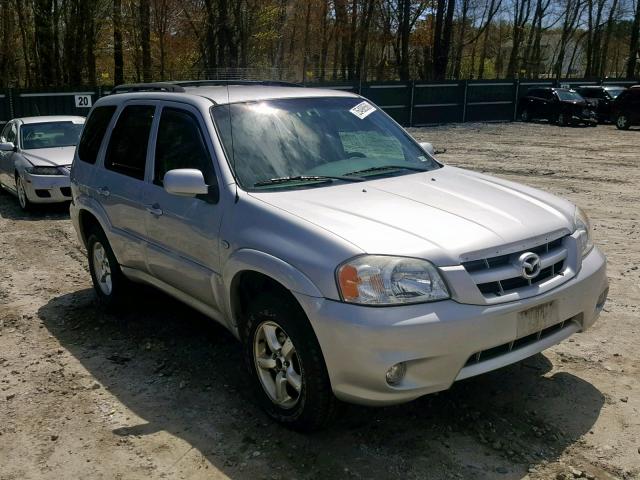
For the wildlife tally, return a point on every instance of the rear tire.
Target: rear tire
(109, 282)
(622, 122)
(286, 363)
(524, 115)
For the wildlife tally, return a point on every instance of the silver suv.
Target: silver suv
(349, 262)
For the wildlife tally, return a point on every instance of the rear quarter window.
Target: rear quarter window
(93, 133)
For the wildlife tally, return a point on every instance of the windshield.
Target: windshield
(304, 142)
(569, 95)
(49, 135)
(614, 92)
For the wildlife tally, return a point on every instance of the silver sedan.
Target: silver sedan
(35, 158)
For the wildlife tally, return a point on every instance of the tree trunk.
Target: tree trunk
(118, 62)
(145, 39)
(634, 44)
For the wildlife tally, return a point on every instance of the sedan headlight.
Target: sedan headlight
(384, 280)
(43, 170)
(583, 228)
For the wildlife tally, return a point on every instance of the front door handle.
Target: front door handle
(154, 209)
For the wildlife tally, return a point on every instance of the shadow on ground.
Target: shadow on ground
(10, 209)
(184, 374)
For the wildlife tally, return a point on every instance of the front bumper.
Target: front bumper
(47, 188)
(436, 340)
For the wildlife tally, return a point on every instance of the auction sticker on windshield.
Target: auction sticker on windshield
(363, 109)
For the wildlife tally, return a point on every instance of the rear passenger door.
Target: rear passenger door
(120, 183)
(183, 247)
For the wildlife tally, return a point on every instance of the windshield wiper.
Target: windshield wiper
(307, 178)
(388, 167)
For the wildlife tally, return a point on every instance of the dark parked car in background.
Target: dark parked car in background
(626, 108)
(601, 99)
(558, 105)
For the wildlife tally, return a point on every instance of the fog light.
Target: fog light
(395, 374)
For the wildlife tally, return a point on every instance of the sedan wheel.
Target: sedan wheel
(622, 122)
(24, 202)
(524, 116)
(277, 365)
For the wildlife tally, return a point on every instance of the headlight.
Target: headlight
(43, 170)
(383, 280)
(583, 228)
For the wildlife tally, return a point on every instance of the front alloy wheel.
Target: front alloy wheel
(277, 365)
(285, 361)
(24, 202)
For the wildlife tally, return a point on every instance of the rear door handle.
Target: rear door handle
(104, 191)
(154, 209)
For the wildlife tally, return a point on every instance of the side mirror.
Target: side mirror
(7, 147)
(186, 182)
(428, 147)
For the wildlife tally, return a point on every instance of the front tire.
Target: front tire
(525, 116)
(286, 364)
(109, 282)
(21, 191)
(622, 122)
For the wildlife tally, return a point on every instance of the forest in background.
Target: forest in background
(107, 42)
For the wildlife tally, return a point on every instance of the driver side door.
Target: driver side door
(183, 245)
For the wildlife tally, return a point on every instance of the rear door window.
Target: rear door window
(180, 144)
(93, 133)
(127, 150)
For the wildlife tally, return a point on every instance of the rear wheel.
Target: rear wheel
(23, 200)
(622, 122)
(525, 116)
(286, 363)
(109, 282)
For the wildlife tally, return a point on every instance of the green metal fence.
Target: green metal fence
(415, 103)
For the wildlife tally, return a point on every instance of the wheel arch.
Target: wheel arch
(248, 271)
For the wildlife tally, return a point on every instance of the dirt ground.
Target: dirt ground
(160, 392)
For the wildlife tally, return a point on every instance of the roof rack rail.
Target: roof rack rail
(147, 87)
(222, 83)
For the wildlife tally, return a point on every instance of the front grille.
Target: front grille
(496, 276)
(485, 355)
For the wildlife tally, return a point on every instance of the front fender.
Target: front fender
(247, 259)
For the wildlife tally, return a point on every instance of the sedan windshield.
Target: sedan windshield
(49, 135)
(569, 95)
(307, 142)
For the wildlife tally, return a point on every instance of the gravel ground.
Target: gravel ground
(160, 392)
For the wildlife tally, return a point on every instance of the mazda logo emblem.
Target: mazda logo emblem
(529, 264)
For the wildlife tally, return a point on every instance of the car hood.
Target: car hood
(50, 157)
(447, 215)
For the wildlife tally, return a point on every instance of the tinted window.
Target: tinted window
(93, 132)
(49, 135)
(180, 144)
(127, 151)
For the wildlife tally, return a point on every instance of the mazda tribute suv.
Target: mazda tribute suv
(349, 262)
